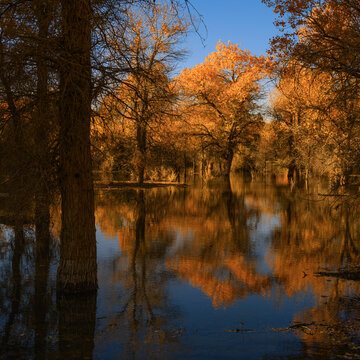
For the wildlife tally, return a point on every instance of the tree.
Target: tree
(320, 129)
(223, 92)
(77, 271)
(149, 48)
(323, 36)
(51, 50)
(30, 55)
(299, 103)
(43, 123)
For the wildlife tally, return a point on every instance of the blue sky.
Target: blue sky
(245, 22)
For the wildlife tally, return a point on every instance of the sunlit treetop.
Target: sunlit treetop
(322, 34)
(229, 74)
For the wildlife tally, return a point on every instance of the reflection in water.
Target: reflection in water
(143, 321)
(316, 236)
(220, 259)
(76, 325)
(41, 298)
(179, 266)
(15, 284)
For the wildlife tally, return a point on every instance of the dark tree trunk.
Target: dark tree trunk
(77, 271)
(17, 167)
(229, 159)
(141, 216)
(19, 246)
(42, 125)
(185, 169)
(292, 172)
(141, 151)
(202, 165)
(41, 299)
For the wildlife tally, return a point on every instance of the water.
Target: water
(204, 272)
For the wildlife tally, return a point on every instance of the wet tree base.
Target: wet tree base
(71, 280)
(77, 317)
(66, 289)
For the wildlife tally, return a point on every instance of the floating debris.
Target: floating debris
(298, 326)
(240, 330)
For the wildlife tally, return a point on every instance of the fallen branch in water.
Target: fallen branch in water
(298, 326)
(342, 274)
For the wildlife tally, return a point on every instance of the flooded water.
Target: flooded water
(217, 271)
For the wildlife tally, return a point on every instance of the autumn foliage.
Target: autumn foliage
(222, 94)
(317, 81)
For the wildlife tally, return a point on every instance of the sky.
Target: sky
(245, 22)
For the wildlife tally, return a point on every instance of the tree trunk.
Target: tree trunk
(41, 298)
(141, 151)
(42, 126)
(292, 172)
(77, 271)
(185, 169)
(229, 159)
(202, 165)
(15, 296)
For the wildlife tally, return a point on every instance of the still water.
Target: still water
(216, 271)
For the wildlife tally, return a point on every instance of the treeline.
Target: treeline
(158, 127)
(211, 119)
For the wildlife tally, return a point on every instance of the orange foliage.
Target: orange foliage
(222, 92)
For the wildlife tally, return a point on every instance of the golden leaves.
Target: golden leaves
(222, 94)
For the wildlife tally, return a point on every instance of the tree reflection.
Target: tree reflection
(77, 317)
(27, 316)
(219, 258)
(15, 295)
(144, 323)
(316, 235)
(312, 236)
(216, 253)
(41, 297)
(335, 323)
(206, 237)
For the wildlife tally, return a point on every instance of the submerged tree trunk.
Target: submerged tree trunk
(77, 319)
(77, 271)
(141, 151)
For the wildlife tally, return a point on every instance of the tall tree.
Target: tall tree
(321, 127)
(42, 123)
(77, 270)
(148, 48)
(223, 91)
